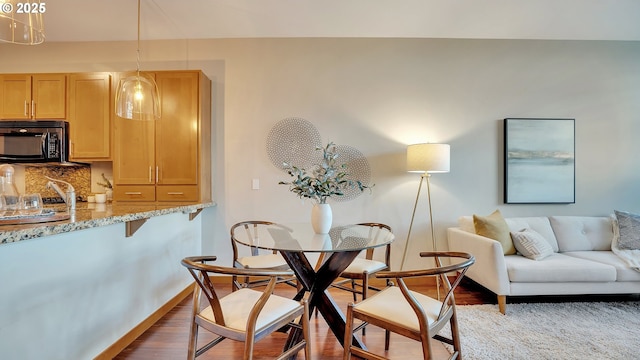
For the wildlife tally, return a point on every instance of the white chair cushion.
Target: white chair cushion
(237, 305)
(391, 305)
(268, 261)
(360, 265)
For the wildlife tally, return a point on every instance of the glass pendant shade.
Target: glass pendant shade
(137, 95)
(137, 98)
(21, 25)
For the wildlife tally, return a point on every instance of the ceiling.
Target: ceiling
(108, 20)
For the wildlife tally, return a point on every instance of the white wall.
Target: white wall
(378, 95)
(70, 296)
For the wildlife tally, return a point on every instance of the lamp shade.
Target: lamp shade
(137, 95)
(137, 98)
(428, 158)
(21, 22)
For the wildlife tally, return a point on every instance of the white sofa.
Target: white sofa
(581, 263)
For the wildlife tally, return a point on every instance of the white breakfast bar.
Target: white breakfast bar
(70, 289)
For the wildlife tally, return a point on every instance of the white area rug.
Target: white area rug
(590, 330)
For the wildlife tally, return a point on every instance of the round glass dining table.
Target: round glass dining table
(339, 247)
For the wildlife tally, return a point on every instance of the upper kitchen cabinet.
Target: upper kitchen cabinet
(89, 116)
(168, 159)
(37, 96)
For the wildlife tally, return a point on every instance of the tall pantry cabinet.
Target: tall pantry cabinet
(168, 159)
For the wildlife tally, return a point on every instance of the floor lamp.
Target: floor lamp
(426, 159)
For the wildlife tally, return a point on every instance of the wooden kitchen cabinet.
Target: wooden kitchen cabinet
(133, 152)
(168, 159)
(134, 192)
(177, 130)
(89, 116)
(37, 96)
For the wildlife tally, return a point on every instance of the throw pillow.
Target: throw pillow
(629, 229)
(494, 227)
(531, 244)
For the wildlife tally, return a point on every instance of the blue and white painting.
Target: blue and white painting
(539, 161)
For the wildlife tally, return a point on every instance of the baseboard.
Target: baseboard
(117, 347)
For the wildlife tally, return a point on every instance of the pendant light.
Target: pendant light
(21, 22)
(137, 95)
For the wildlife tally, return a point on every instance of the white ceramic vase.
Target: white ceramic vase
(321, 218)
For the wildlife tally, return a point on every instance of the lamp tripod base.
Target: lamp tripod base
(433, 236)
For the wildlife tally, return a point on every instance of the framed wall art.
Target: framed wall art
(539, 161)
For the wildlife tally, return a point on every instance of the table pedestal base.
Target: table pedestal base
(317, 283)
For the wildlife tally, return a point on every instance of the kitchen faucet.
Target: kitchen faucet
(69, 196)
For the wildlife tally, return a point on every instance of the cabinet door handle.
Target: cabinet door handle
(33, 109)
(133, 193)
(175, 193)
(26, 109)
(150, 175)
(157, 174)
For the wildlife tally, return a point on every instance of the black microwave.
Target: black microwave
(34, 141)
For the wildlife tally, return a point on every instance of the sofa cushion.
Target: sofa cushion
(494, 227)
(623, 271)
(539, 224)
(629, 230)
(582, 233)
(631, 257)
(531, 244)
(557, 267)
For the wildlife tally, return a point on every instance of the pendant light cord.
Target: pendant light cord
(138, 45)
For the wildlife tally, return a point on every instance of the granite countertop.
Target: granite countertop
(91, 215)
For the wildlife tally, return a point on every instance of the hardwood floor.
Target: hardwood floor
(168, 338)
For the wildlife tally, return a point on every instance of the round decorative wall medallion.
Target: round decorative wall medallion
(293, 141)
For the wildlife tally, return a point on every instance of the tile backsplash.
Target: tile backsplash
(78, 176)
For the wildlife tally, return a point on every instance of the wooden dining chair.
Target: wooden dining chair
(256, 259)
(361, 269)
(245, 315)
(409, 313)
(355, 278)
